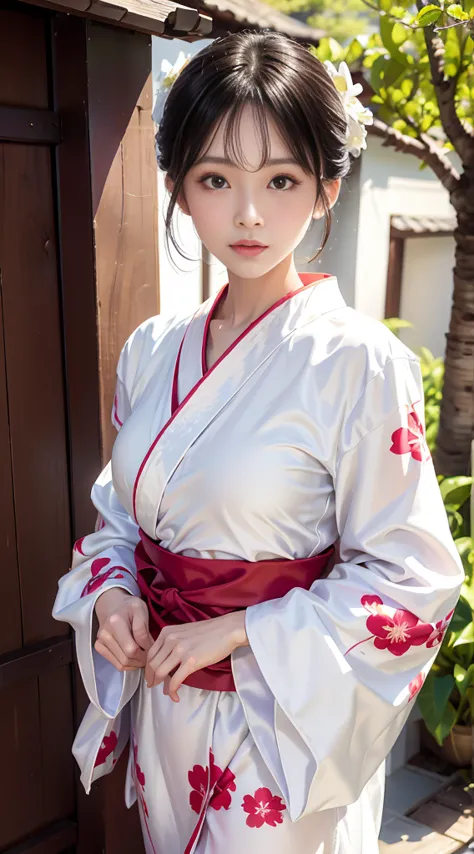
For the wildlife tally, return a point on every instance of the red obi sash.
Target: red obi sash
(180, 589)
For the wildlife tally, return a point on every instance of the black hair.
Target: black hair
(280, 79)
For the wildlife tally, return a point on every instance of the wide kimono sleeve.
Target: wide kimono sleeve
(331, 673)
(102, 560)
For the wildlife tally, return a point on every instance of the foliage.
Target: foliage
(447, 696)
(421, 69)
(340, 19)
(432, 371)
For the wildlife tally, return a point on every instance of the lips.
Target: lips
(249, 243)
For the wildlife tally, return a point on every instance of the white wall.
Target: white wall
(180, 279)
(427, 288)
(392, 183)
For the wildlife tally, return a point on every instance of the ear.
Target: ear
(332, 189)
(169, 184)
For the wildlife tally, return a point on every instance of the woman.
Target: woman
(260, 678)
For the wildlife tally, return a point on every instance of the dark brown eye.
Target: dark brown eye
(282, 182)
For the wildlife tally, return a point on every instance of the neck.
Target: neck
(247, 299)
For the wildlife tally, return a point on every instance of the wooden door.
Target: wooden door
(37, 789)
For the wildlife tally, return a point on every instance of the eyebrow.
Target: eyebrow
(276, 161)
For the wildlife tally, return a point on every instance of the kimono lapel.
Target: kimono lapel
(213, 390)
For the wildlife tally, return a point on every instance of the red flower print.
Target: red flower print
(198, 780)
(221, 798)
(439, 630)
(221, 783)
(98, 578)
(78, 546)
(415, 686)
(396, 631)
(411, 439)
(263, 808)
(140, 788)
(109, 743)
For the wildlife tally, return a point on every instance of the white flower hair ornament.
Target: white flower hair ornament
(168, 75)
(358, 116)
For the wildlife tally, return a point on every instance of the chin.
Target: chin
(250, 268)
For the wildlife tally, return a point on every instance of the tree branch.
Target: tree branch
(424, 149)
(445, 89)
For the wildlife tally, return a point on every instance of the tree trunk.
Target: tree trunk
(456, 430)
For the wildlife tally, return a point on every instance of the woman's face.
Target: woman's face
(229, 204)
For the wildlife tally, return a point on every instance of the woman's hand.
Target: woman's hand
(123, 637)
(190, 647)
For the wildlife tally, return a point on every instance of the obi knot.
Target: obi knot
(171, 600)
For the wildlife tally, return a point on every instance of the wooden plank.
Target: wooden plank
(10, 624)
(394, 277)
(57, 735)
(124, 186)
(34, 661)
(70, 98)
(23, 65)
(76, 239)
(51, 840)
(20, 749)
(18, 124)
(35, 384)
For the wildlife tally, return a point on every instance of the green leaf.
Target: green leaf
(456, 11)
(452, 53)
(456, 490)
(428, 15)
(354, 52)
(399, 34)
(433, 699)
(461, 618)
(466, 636)
(329, 49)
(386, 32)
(448, 719)
(396, 323)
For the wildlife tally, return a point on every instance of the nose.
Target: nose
(247, 215)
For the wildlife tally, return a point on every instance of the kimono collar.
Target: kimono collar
(197, 397)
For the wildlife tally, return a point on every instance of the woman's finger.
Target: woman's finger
(120, 629)
(187, 667)
(107, 639)
(140, 626)
(158, 668)
(105, 653)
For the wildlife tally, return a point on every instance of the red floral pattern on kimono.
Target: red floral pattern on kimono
(439, 631)
(109, 743)
(221, 783)
(396, 632)
(140, 788)
(411, 439)
(99, 578)
(263, 808)
(415, 685)
(78, 546)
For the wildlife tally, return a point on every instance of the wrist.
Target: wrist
(239, 631)
(110, 599)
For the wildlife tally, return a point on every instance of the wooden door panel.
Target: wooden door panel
(20, 749)
(23, 65)
(10, 624)
(35, 382)
(57, 733)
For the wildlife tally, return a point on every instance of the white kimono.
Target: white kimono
(308, 431)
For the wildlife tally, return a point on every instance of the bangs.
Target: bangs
(262, 116)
